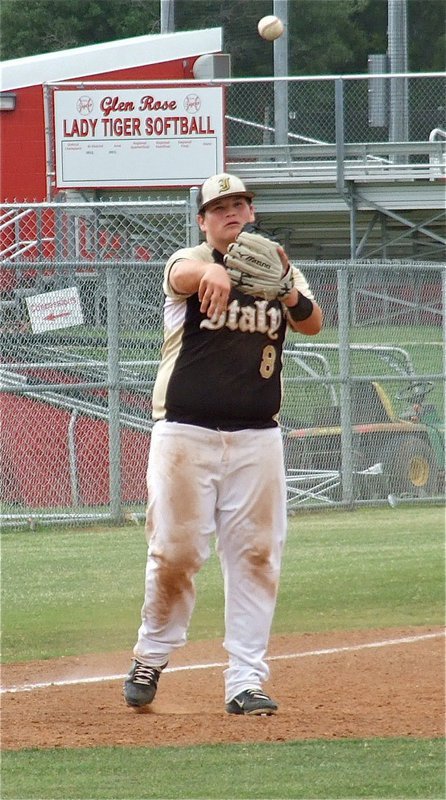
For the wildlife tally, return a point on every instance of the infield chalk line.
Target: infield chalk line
(324, 652)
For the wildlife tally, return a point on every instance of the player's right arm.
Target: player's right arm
(208, 279)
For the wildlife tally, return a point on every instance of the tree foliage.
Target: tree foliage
(29, 27)
(325, 36)
(427, 35)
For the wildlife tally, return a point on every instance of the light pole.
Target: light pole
(398, 62)
(280, 9)
(167, 16)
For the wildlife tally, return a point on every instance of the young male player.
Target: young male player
(216, 458)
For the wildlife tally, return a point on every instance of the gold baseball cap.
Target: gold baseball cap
(221, 185)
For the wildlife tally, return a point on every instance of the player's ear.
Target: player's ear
(201, 222)
(252, 212)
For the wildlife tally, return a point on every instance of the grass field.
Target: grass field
(67, 592)
(377, 768)
(422, 344)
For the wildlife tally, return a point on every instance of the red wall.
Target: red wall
(23, 160)
(34, 457)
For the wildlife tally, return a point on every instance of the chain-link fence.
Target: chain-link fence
(375, 109)
(81, 321)
(363, 413)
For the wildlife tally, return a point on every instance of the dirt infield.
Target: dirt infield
(345, 684)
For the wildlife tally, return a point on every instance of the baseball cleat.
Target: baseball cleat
(252, 701)
(141, 684)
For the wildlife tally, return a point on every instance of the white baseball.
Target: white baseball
(270, 27)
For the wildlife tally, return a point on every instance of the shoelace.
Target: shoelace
(146, 675)
(257, 694)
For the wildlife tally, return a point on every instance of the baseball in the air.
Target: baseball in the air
(270, 28)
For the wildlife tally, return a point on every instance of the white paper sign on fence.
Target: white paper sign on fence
(52, 310)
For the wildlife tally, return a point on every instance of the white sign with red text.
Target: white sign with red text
(138, 137)
(52, 310)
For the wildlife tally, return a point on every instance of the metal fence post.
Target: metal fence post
(114, 432)
(345, 386)
(194, 230)
(48, 110)
(340, 135)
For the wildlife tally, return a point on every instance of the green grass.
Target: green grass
(366, 567)
(397, 335)
(423, 344)
(78, 591)
(393, 768)
(341, 570)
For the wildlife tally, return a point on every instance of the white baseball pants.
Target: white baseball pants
(232, 484)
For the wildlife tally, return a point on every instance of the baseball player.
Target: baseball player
(216, 459)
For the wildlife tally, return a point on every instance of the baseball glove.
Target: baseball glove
(254, 265)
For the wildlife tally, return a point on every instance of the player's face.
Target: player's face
(223, 220)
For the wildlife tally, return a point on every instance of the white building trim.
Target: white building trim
(106, 57)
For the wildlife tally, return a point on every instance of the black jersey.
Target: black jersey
(223, 374)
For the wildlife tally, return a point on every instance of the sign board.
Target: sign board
(53, 310)
(138, 137)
